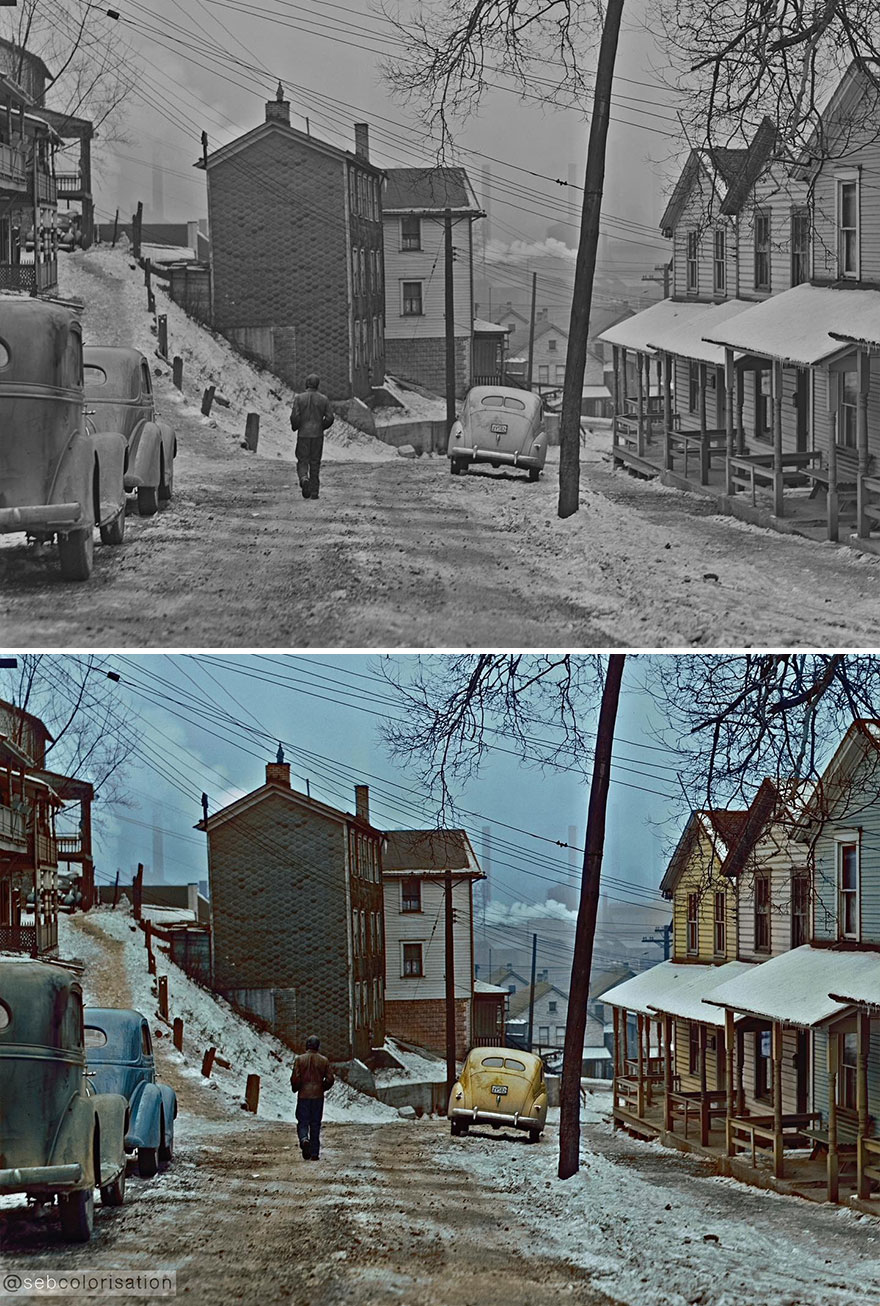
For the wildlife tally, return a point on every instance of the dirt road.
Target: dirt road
(398, 553)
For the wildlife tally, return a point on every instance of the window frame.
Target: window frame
(406, 300)
(848, 897)
(761, 223)
(410, 880)
(720, 923)
(843, 180)
(692, 261)
(800, 235)
(719, 261)
(763, 1065)
(847, 1071)
(694, 1047)
(692, 934)
(762, 907)
(410, 241)
(800, 910)
(406, 973)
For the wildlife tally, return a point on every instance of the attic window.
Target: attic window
(411, 895)
(410, 232)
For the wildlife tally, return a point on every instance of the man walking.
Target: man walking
(310, 417)
(310, 1079)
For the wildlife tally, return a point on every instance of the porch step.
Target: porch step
(872, 510)
(872, 483)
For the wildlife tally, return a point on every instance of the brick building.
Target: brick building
(413, 869)
(297, 257)
(413, 209)
(296, 910)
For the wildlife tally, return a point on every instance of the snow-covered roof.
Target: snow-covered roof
(652, 323)
(596, 1054)
(482, 986)
(493, 328)
(686, 338)
(796, 986)
(797, 326)
(670, 986)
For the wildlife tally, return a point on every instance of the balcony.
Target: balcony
(47, 190)
(70, 185)
(46, 850)
(13, 833)
(13, 170)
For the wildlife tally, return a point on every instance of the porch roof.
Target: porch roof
(652, 323)
(673, 987)
(796, 986)
(686, 338)
(797, 327)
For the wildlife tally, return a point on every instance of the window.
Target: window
(693, 1048)
(800, 245)
(719, 278)
(720, 924)
(800, 908)
(762, 913)
(560, 1035)
(692, 271)
(848, 890)
(412, 959)
(560, 373)
(551, 1007)
(693, 386)
(551, 345)
(763, 1065)
(544, 373)
(762, 249)
(354, 932)
(363, 931)
(410, 232)
(357, 346)
(847, 1076)
(847, 415)
(693, 927)
(543, 1033)
(411, 895)
(412, 299)
(848, 229)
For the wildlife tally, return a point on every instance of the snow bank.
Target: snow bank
(208, 1021)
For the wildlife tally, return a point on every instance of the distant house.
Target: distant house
(296, 249)
(414, 866)
(413, 214)
(296, 911)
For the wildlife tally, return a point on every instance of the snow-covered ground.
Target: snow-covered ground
(208, 1021)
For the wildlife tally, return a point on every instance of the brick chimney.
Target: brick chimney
(278, 110)
(362, 140)
(362, 801)
(278, 772)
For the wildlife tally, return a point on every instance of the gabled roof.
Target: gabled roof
(673, 986)
(862, 734)
(428, 851)
(749, 169)
(502, 973)
(721, 825)
(275, 789)
(732, 172)
(274, 127)
(428, 190)
(772, 803)
(519, 1001)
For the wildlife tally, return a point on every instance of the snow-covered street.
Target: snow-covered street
(399, 1211)
(397, 552)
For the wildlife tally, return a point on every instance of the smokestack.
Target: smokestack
(362, 140)
(486, 860)
(278, 110)
(362, 802)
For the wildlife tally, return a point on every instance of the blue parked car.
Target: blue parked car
(119, 1049)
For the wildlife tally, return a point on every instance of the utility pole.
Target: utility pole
(532, 990)
(211, 257)
(451, 1074)
(450, 325)
(579, 989)
(532, 330)
(665, 943)
(664, 269)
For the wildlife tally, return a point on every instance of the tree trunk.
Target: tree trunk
(585, 267)
(579, 989)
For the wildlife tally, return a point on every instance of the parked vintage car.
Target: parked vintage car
(119, 1049)
(57, 478)
(119, 391)
(500, 1087)
(501, 426)
(58, 1136)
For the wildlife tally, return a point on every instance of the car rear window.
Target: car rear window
(94, 375)
(495, 1062)
(4, 355)
(510, 1064)
(492, 401)
(514, 403)
(94, 1038)
(5, 1017)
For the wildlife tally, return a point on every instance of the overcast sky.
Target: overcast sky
(211, 64)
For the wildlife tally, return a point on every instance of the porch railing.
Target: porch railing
(759, 1134)
(18, 938)
(12, 827)
(30, 277)
(13, 167)
(69, 183)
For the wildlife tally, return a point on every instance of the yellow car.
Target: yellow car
(500, 1086)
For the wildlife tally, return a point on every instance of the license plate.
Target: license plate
(498, 428)
(498, 1089)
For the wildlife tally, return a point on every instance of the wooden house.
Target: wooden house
(28, 193)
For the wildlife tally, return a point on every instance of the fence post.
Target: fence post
(115, 228)
(162, 332)
(177, 371)
(163, 996)
(136, 227)
(252, 431)
(137, 892)
(177, 1033)
(151, 963)
(151, 302)
(148, 935)
(208, 1062)
(252, 1093)
(207, 400)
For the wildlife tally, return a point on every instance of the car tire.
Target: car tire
(454, 1128)
(148, 500)
(166, 1148)
(534, 473)
(166, 489)
(148, 1162)
(114, 531)
(455, 467)
(114, 1194)
(534, 1135)
(76, 553)
(77, 1211)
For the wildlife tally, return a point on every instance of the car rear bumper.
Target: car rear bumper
(40, 1178)
(512, 1119)
(473, 454)
(42, 517)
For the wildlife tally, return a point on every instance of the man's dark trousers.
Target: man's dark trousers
(309, 449)
(309, 1111)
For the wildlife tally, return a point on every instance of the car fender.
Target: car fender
(455, 443)
(73, 477)
(169, 1103)
(111, 452)
(145, 1124)
(111, 1111)
(169, 441)
(73, 1140)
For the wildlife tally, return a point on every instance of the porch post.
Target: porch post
(833, 1185)
(704, 1109)
(617, 1065)
(740, 1063)
(624, 1017)
(615, 382)
(667, 408)
(729, 383)
(649, 1021)
(640, 1089)
(863, 364)
(777, 1099)
(863, 1026)
(729, 1045)
(833, 417)
(776, 392)
(704, 448)
(640, 408)
(740, 406)
(667, 1072)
